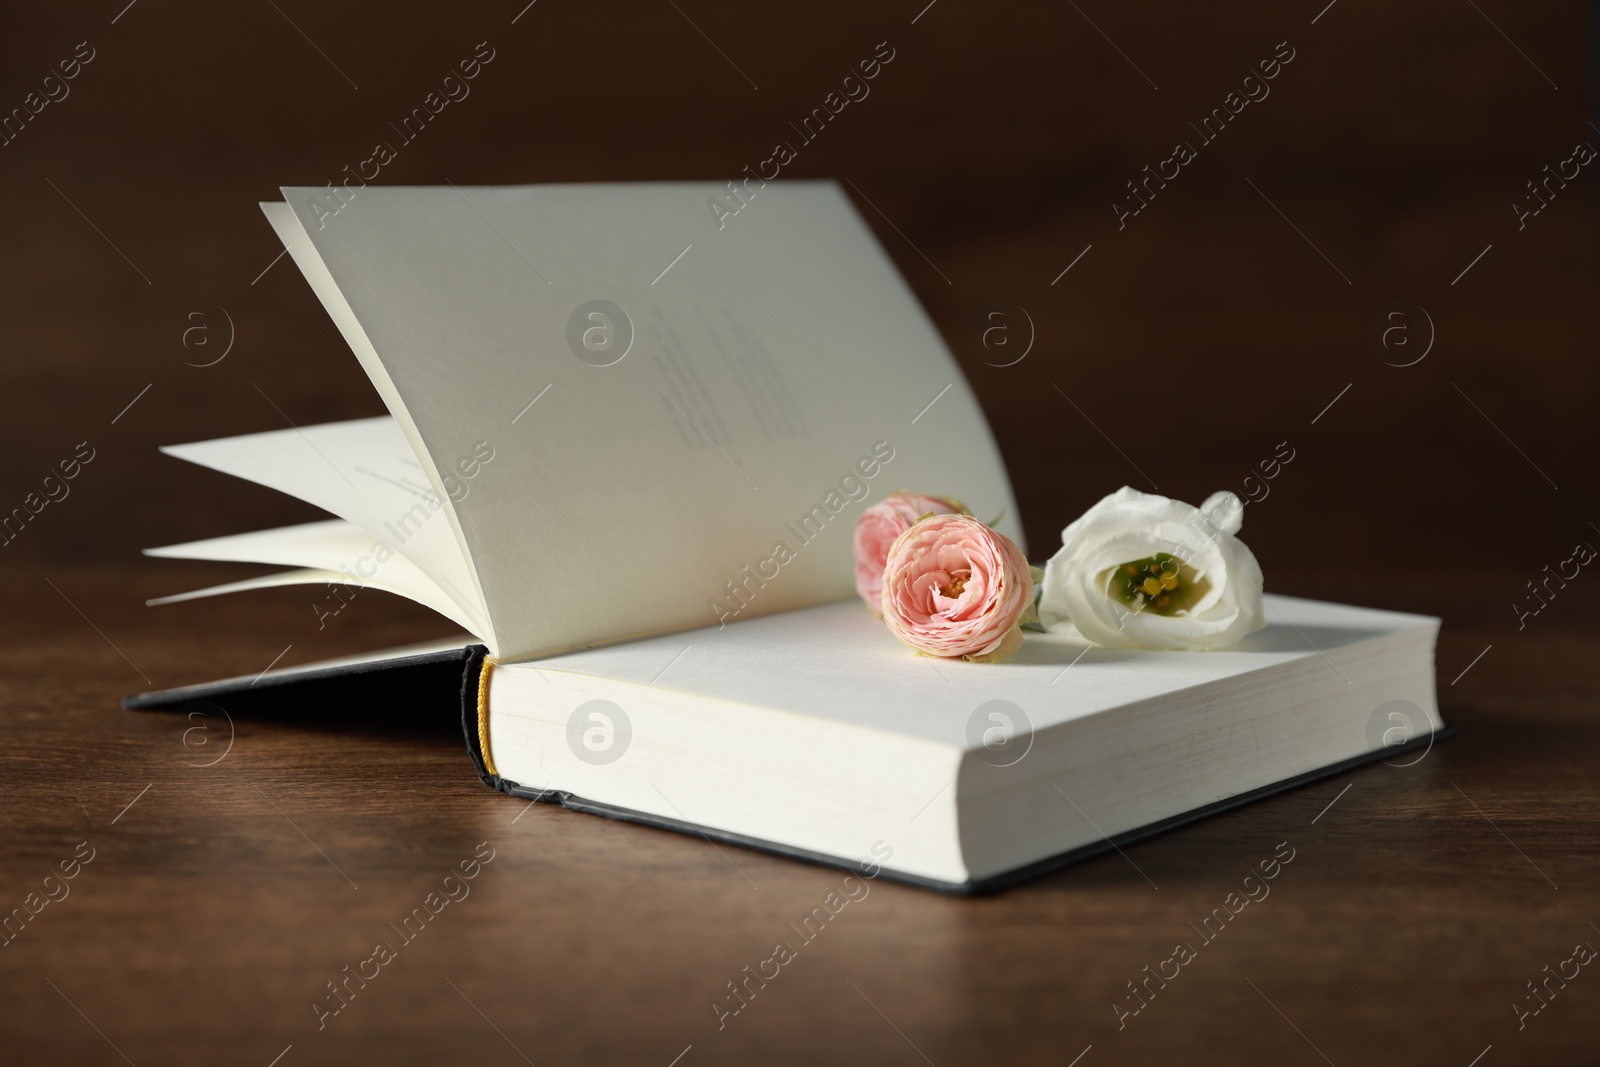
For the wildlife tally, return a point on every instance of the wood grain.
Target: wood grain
(218, 906)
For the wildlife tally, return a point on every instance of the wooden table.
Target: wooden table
(228, 886)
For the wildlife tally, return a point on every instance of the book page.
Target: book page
(838, 662)
(300, 248)
(687, 410)
(326, 603)
(332, 545)
(363, 471)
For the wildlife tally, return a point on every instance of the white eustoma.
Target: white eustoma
(1144, 571)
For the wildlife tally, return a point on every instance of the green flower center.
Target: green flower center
(1162, 583)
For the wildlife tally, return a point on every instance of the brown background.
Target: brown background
(1196, 339)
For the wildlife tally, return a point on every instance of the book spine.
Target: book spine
(472, 679)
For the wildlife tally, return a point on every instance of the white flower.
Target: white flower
(1143, 571)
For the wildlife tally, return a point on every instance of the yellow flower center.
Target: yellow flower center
(953, 590)
(1162, 583)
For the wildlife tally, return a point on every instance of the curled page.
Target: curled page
(685, 411)
(365, 472)
(330, 546)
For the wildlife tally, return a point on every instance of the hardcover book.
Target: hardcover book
(627, 442)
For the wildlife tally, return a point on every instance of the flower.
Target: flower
(954, 587)
(1142, 571)
(877, 528)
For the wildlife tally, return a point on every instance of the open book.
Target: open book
(628, 440)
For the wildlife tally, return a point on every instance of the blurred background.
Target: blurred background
(1175, 347)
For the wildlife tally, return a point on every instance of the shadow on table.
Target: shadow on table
(417, 697)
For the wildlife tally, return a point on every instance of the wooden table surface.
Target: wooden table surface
(228, 886)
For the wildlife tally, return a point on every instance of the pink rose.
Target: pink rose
(876, 530)
(954, 587)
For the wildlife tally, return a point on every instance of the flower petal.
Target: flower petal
(1128, 526)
